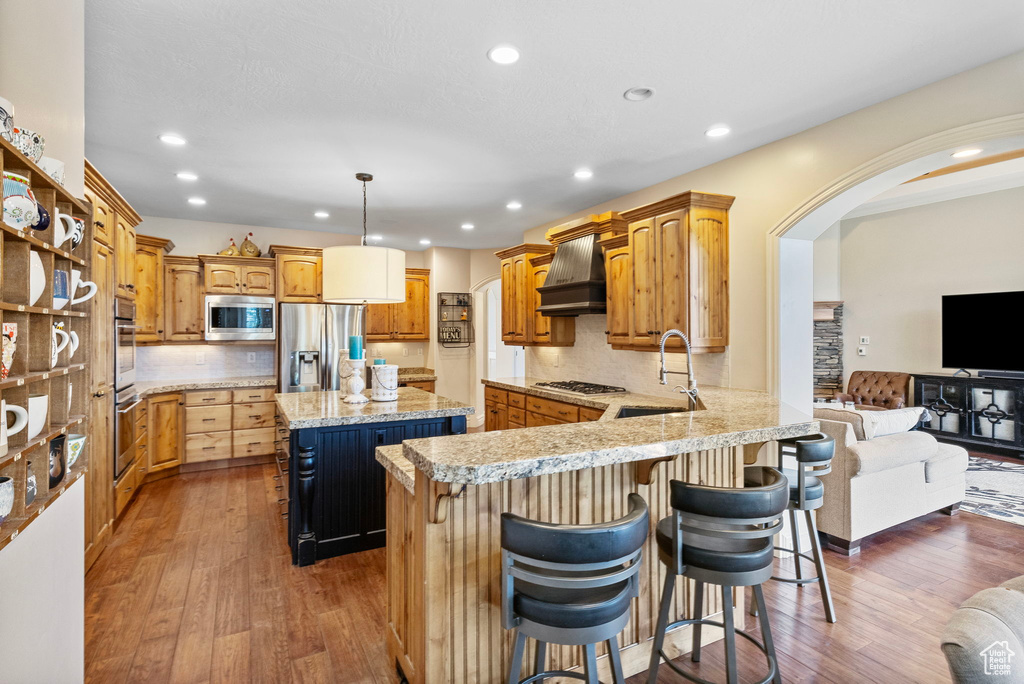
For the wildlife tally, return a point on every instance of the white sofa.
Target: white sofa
(884, 481)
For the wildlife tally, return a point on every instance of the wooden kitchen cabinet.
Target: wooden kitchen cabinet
(510, 410)
(183, 299)
(408, 320)
(238, 275)
(102, 217)
(676, 260)
(166, 427)
(99, 478)
(124, 256)
(524, 268)
(149, 287)
(299, 273)
(101, 316)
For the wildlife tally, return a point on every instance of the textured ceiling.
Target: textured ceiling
(282, 102)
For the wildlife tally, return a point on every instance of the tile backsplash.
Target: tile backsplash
(592, 359)
(189, 361)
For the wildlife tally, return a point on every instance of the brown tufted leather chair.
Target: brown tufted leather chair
(877, 390)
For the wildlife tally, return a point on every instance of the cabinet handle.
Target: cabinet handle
(130, 286)
(254, 396)
(607, 332)
(160, 332)
(256, 416)
(209, 398)
(209, 448)
(99, 394)
(98, 224)
(181, 403)
(254, 443)
(563, 413)
(536, 406)
(209, 420)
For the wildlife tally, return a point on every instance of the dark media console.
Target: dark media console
(975, 412)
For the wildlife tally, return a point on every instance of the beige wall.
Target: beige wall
(896, 266)
(826, 265)
(206, 237)
(771, 181)
(42, 72)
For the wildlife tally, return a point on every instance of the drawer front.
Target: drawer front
(249, 416)
(207, 397)
(207, 418)
(253, 442)
(141, 469)
(207, 446)
(517, 399)
(125, 489)
(254, 394)
(566, 413)
(588, 414)
(539, 419)
(516, 415)
(425, 386)
(496, 395)
(141, 418)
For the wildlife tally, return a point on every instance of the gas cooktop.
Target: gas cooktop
(584, 389)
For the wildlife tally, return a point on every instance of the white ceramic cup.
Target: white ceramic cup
(57, 347)
(36, 277)
(20, 421)
(77, 282)
(74, 344)
(6, 120)
(6, 497)
(74, 448)
(63, 229)
(54, 168)
(37, 406)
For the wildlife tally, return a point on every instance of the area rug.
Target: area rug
(995, 489)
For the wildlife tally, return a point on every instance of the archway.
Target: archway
(789, 249)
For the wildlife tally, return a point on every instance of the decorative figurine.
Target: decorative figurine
(249, 248)
(230, 250)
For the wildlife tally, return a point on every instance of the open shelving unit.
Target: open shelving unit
(66, 384)
(455, 319)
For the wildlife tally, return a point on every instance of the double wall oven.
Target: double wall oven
(127, 396)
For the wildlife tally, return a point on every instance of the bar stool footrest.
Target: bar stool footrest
(553, 673)
(797, 580)
(772, 665)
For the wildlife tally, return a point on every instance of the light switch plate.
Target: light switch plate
(405, 351)
(864, 339)
(200, 358)
(862, 351)
(251, 357)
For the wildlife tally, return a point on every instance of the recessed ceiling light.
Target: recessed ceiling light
(638, 94)
(187, 176)
(503, 54)
(717, 131)
(468, 226)
(321, 214)
(583, 174)
(196, 200)
(172, 139)
(375, 238)
(966, 153)
(424, 241)
(514, 205)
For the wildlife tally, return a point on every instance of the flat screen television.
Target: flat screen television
(977, 331)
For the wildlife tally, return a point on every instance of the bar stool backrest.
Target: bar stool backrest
(571, 557)
(728, 513)
(813, 455)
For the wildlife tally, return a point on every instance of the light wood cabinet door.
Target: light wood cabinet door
(257, 280)
(540, 329)
(101, 356)
(99, 479)
(183, 302)
(508, 301)
(102, 220)
(617, 267)
(222, 278)
(672, 280)
(165, 431)
(124, 253)
(379, 319)
(298, 278)
(643, 283)
(709, 279)
(411, 317)
(519, 299)
(496, 416)
(149, 293)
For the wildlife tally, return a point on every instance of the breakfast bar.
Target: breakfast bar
(445, 496)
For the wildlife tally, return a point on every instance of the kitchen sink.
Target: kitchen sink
(634, 411)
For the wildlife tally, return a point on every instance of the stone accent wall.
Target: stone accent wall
(828, 355)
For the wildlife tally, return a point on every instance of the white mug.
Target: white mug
(54, 168)
(20, 421)
(71, 389)
(64, 228)
(36, 277)
(77, 282)
(57, 347)
(37, 406)
(74, 344)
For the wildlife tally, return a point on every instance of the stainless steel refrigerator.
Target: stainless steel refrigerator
(312, 343)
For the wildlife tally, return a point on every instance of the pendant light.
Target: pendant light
(363, 274)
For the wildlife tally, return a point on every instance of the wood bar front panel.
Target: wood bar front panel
(444, 579)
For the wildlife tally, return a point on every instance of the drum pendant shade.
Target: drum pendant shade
(362, 274)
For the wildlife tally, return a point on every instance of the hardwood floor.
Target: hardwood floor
(197, 586)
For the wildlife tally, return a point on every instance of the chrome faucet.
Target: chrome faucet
(691, 381)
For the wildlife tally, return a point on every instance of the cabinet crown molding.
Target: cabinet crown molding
(181, 260)
(241, 260)
(676, 202)
(615, 241)
(150, 241)
(274, 250)
(417, 271)
(95, 181)
(542, 260)
(526, 248)
(595, 224)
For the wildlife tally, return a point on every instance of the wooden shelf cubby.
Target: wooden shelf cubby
(67, 383)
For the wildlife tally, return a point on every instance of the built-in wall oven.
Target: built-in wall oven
(126, 396)
(240, 317)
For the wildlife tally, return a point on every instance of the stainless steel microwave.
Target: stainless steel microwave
(238, 317)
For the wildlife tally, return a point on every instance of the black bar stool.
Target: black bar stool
(570, 584)
(723, 536)
(813, 455)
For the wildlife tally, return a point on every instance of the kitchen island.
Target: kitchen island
(446, 495)
(336, 488)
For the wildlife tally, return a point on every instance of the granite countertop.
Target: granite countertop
(324, 409)
(149, 387)
(416, 374)
(610, 403)
(395, 462)
(731, 418)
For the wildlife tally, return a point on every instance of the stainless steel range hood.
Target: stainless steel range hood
(575, 283)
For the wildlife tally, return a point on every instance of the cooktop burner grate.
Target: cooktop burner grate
(581, 388)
